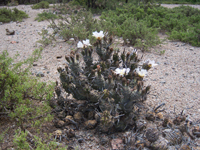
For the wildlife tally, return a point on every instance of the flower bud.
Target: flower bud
(66, 67)
(123, 81)
(77, 57)
(59, 69)
(72, 58)
(67, 58)
(110, 39)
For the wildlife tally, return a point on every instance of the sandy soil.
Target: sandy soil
(175, 81)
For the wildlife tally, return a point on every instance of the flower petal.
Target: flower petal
(80, 44)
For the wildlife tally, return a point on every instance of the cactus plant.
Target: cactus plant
(113, 84)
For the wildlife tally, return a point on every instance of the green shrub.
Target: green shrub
(42, 4)
(7, 15)
(77, 25)
(45, 16)
(180, 23)
(20, 142)
(20, 93)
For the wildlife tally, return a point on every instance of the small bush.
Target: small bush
(42, 4)
(77, 25)
(20, 142)
(45, 16)
(7, 15)
(180, 23)
(20, 93)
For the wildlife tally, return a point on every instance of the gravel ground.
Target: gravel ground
(175, 81)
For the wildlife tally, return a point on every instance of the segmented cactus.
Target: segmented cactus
(114, 83)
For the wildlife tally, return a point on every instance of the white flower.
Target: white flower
(151, 63)
(98, 35)
(84, 44)
(122, 72)
(87, 42)
(80, 44)
(141, 72)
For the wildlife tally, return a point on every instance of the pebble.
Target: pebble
(163, 82)
(80, 140)
(1, 23)
(40, 74)
(192, 48)
(183, 44)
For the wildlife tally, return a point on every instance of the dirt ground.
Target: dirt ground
(175, 81)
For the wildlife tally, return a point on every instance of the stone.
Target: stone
(40, 74)
(183, 44)
(1, 23)
(192, 48)
(58, 57)
(80, 140)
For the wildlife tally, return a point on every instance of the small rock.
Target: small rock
(58, 57)
(80, 140)
(71, 39)
(90, 124)
(40, 74)
(177, 45)
(166, 74)
(192, 48)
(183, 44)
(34, 64)
(1, 23)
(48, 72)
(163, 82)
